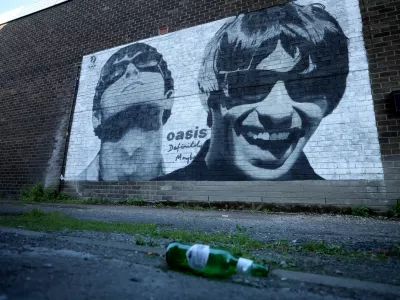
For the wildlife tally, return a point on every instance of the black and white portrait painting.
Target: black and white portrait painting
(276, 94)
(132, 101)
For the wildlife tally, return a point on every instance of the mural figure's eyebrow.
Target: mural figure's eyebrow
(238, 70)
(127, 58)
(311, 66)
(280, 60)
(118, 66)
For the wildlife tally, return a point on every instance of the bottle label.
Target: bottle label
(197, 256)
(243, 265)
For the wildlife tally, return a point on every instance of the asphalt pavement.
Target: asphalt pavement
(97, 265)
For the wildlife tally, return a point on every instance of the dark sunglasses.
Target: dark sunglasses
(252, 86)
(144, 62)
(143, 117)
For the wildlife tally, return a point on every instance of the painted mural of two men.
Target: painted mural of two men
(267, 80)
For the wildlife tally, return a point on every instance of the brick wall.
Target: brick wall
(40, 56)
(331, 193)
(381, 27)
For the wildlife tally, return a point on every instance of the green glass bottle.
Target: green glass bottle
(203, 259)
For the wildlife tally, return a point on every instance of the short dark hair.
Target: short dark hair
(245, 40)
(116, 65)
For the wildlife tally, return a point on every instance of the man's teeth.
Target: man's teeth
(269, 137)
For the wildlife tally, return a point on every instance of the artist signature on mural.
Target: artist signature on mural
(92, 62)
(183, 146)
(180, 146)
(188, 159)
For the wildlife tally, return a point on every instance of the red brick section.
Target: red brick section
(39, 58)
(381, 27)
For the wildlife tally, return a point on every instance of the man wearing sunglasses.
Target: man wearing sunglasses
(267, 80)
(133, 100)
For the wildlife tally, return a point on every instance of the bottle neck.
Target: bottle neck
(247, 266)
(243, 265)
(259, 270)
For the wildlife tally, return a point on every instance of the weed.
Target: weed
(239, 239)
(321, 247)
(198, 207)
(50, 195)
(94, 200)
(140, 241)
(280, 246)
(35, 213)
(360, 210)
(63, 197)
(152, 243)
(394, 250)
(134, 201)
(395, 210)
(182, 206)
(241, 229)
(242, 244)
(315, 246)
(33, 193)
(37, 193)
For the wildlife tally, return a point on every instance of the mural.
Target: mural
(276, 94)
(132, 101)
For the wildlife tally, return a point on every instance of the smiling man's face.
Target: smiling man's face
(263, 129)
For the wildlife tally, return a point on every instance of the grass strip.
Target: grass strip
(239, 242)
